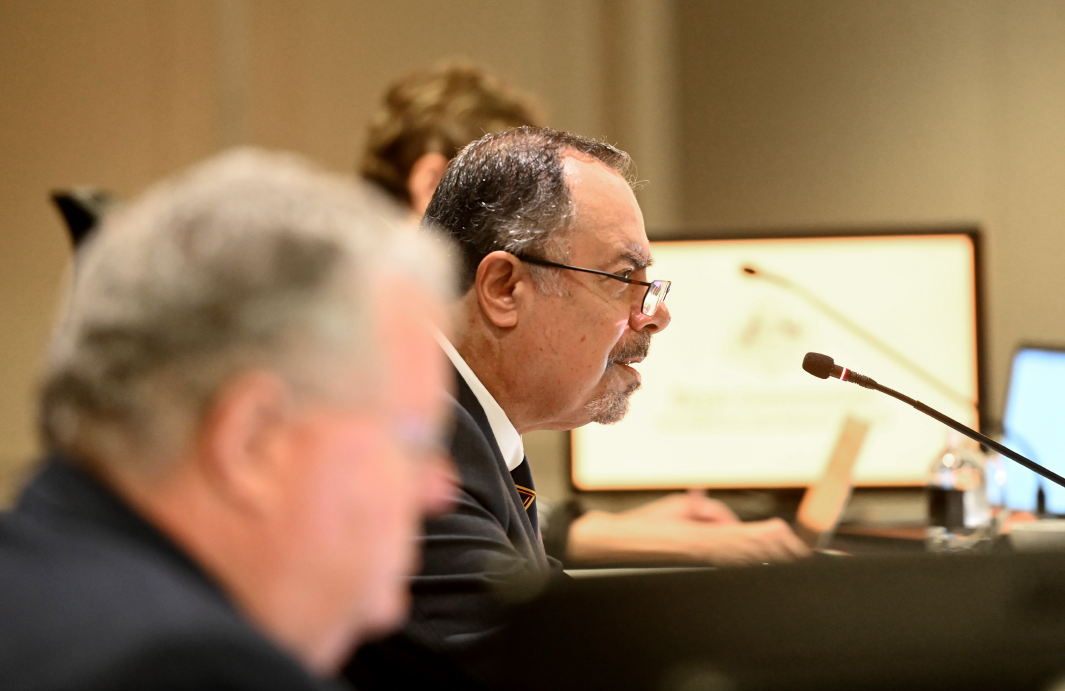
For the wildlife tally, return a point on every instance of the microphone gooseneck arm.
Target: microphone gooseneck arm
(862, 333)
(821, 366)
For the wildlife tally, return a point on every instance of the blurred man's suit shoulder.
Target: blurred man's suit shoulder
(97, 598)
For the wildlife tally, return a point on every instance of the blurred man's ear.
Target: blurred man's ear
(242, 438)
(425, 176)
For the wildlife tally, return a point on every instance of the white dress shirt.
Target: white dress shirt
(503, 429)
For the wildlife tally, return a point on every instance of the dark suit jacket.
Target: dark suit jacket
(93, 597)
(475, 560)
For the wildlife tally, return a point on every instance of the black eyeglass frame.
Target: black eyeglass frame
(651, 301)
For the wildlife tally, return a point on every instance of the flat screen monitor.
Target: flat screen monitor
(725, 402)
(1034, 426)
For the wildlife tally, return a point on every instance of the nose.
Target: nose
(440, 485)
(638, 321)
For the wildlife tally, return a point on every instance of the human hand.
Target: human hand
(666, 531)
(692, 505)
(740, 544)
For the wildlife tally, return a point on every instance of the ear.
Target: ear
(425, 176)
(242, 438)
(502, 285)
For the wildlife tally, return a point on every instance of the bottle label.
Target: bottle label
(946, 507)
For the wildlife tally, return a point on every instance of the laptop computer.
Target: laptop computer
(819, 511)
(823, 502)
(1034, 425)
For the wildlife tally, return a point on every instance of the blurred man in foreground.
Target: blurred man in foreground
(243, 409)
(426, 118)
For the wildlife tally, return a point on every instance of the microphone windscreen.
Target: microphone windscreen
(818, 365)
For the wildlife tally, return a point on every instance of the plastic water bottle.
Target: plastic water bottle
(959, 516)
(995, 473)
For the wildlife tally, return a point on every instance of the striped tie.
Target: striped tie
(523, 480)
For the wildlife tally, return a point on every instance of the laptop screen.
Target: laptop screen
(1034, 426)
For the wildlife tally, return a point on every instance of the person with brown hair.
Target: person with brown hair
(426, 117)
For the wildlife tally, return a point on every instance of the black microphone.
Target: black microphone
(823, 367)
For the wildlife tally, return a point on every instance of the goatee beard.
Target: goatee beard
(611, 406)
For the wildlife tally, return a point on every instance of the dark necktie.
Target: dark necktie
(523, 480)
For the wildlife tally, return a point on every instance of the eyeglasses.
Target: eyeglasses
(656, 290)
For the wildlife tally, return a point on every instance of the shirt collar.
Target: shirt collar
(507, 437)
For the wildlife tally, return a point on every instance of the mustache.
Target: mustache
(636, 347)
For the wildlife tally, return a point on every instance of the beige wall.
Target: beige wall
(739, 113)
(117, 93)
(108, 93)
(909, 112)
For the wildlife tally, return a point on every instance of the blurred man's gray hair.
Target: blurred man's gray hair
(250, 260)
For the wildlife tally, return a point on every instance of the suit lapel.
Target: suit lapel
(522, 489)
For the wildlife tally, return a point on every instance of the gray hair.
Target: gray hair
(249, 260)
(508, 191)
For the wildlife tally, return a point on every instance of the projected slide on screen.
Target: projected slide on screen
(725, 402)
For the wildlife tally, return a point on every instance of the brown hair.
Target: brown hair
(438, 110)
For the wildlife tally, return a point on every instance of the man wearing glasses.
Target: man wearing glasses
(557, 308)
(425, 118)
